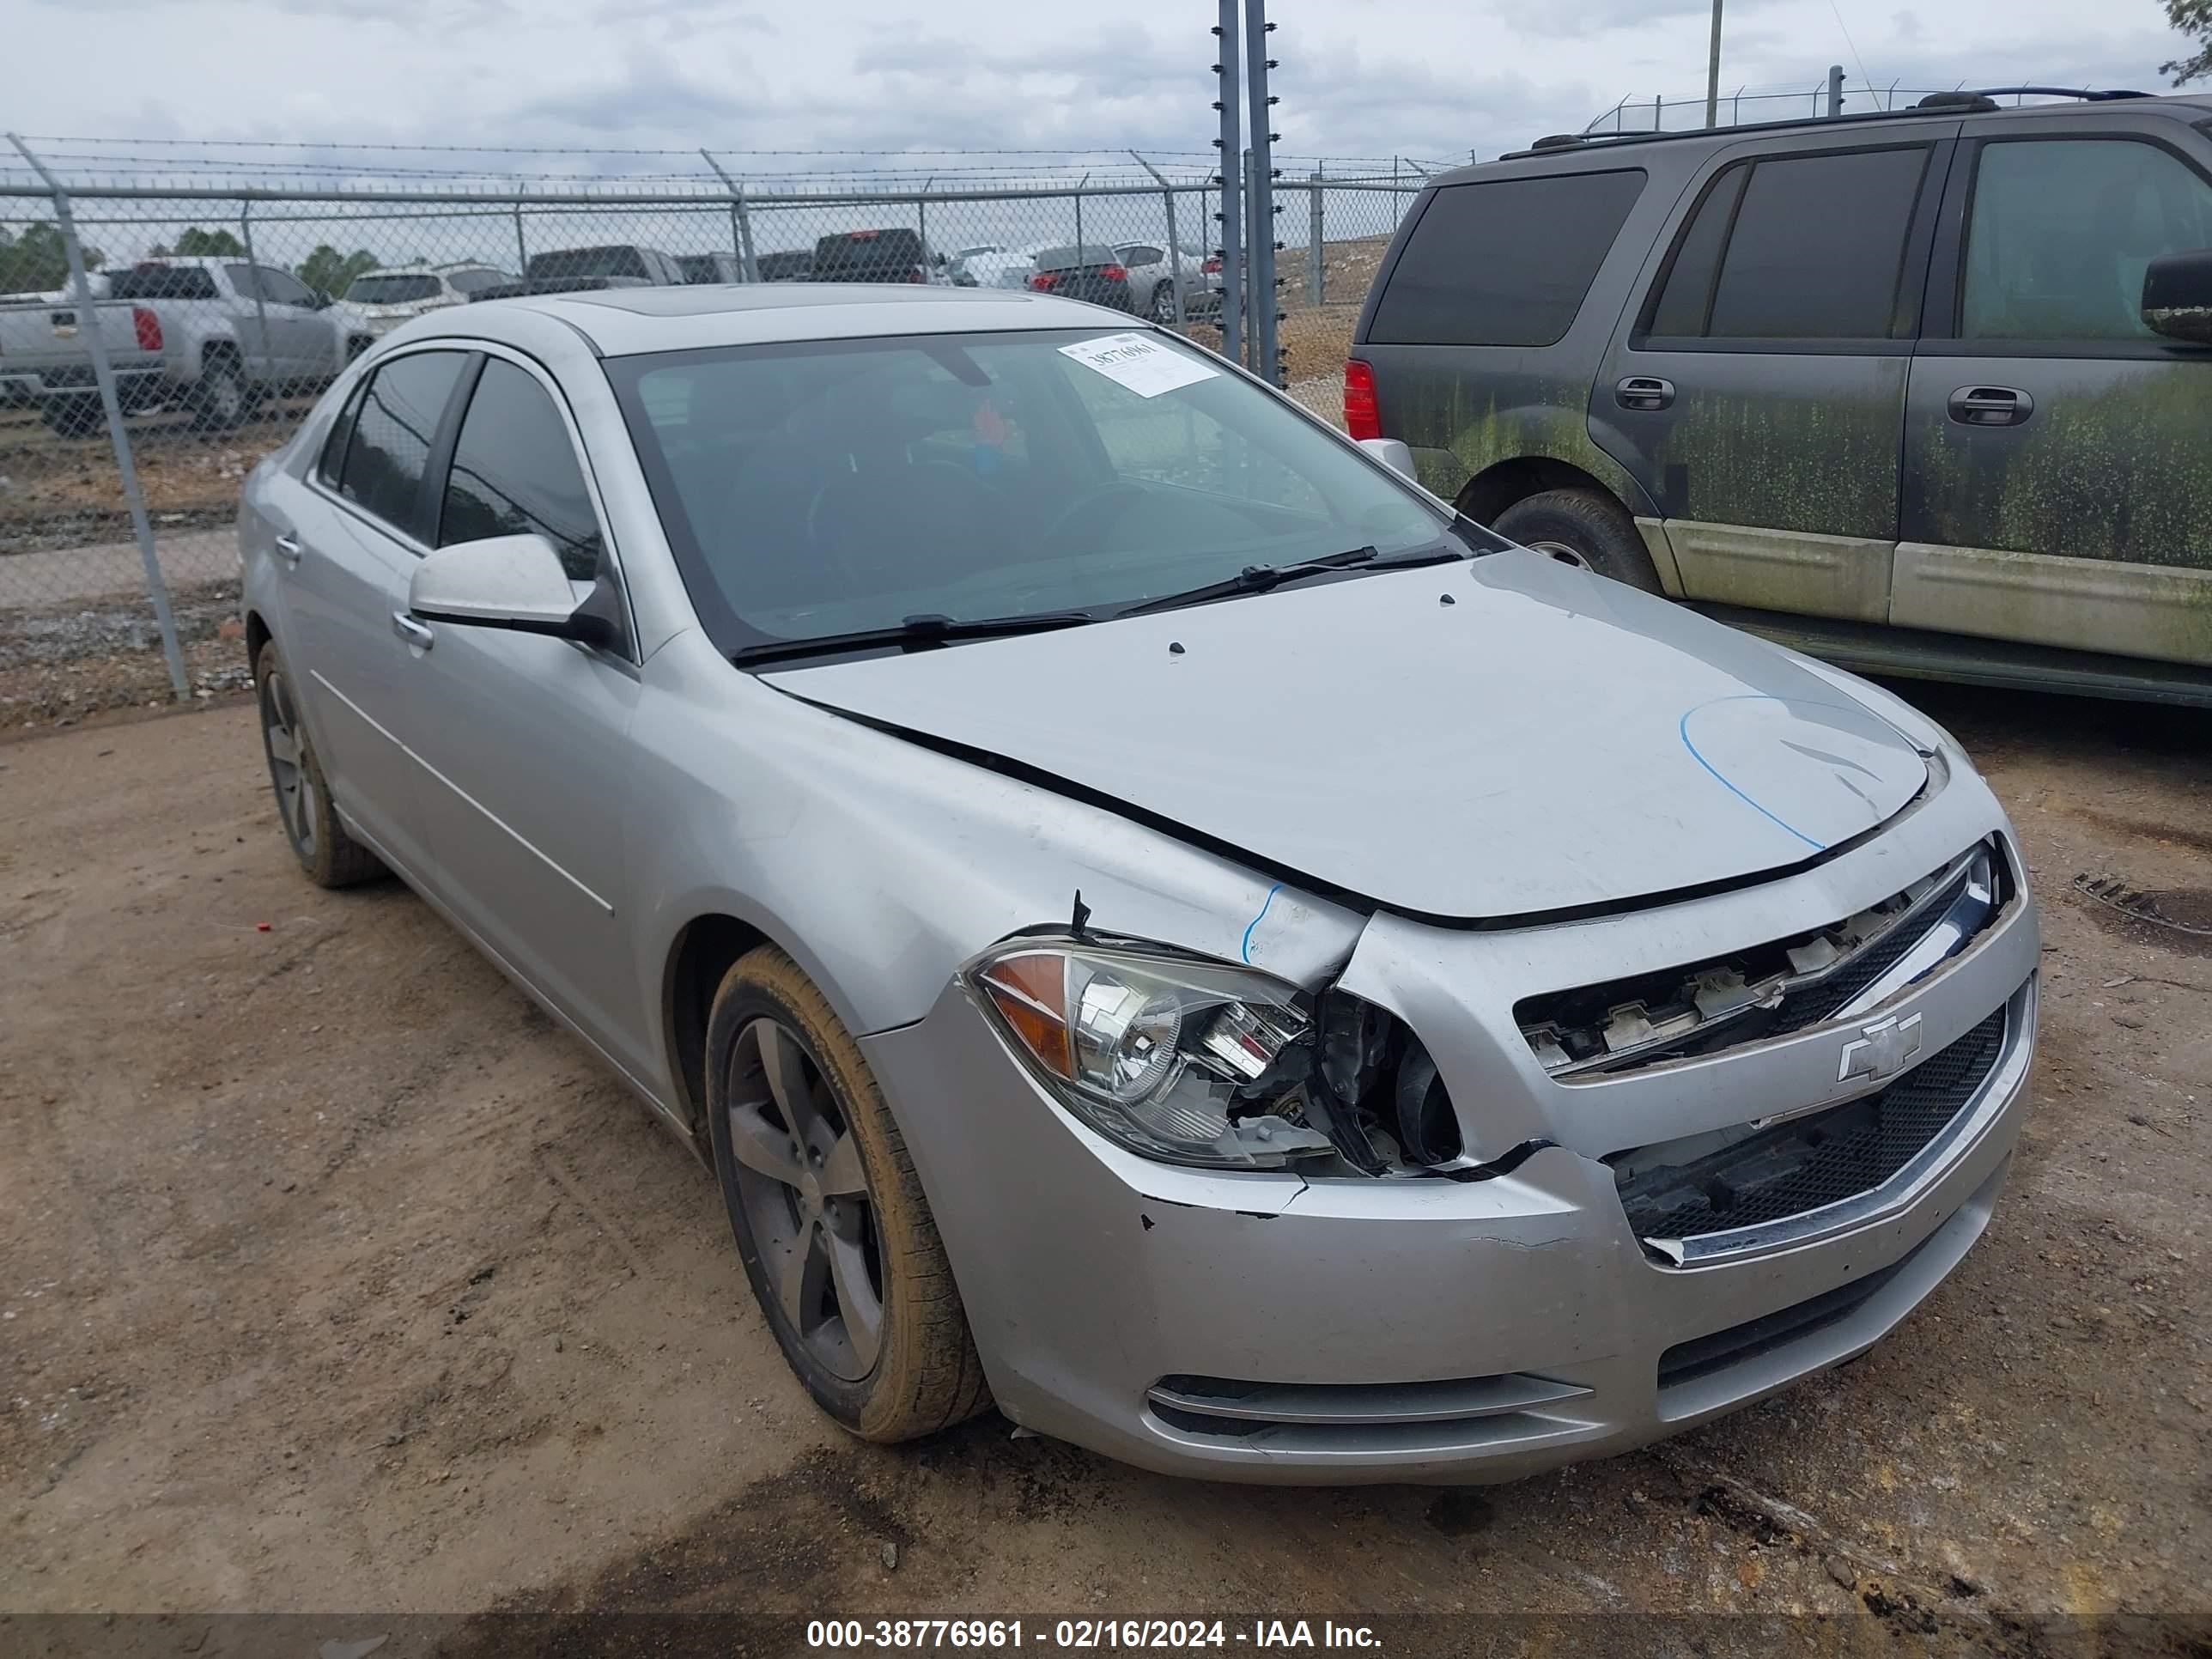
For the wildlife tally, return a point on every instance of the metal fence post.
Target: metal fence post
(1231, 215)
(1266, 359)
(921, 218)
(103, 372)
(260, 304)
(522, 249)
(1080, 184)
(741, 224)
(1316, 274)
(1835, 90)
(1175, 244)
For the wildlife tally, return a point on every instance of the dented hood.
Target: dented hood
(1545, 740)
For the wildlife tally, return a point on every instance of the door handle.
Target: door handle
(289, 550)
(1990, 405)
(415, 633)
(1643, 392)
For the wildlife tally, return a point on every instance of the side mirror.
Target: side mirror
(322, 301)
(2176, 296)
(1393, 452)
(514, 583)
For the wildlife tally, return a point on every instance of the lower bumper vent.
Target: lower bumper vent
(1347, 1417)
(1817, 1160)
(1687, 1362)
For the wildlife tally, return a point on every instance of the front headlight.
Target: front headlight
(1176, 1057)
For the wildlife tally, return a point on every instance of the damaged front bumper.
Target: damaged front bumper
(1266, 1327)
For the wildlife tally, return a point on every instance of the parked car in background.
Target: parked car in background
(382, 299)
(1151, 918)
(1095, 274)
(1154, 273)
(892, 255)
(582, 270)
(1926, 391)
(216, 334)
(786, 265)
(710, 267)
(1005, 267)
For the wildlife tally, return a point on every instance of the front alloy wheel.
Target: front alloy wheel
(830, 1222)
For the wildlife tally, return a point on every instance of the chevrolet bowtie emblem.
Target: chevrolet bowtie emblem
(1881, 1049)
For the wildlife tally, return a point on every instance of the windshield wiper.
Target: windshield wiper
(1252, 579)
(1258, 578)
(927, 630)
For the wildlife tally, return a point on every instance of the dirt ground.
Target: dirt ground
(337, 1278)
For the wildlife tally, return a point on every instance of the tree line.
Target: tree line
(36, 262)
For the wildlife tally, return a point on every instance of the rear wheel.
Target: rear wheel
(72, 417)
(830, 1222)
(330, 857)
(1164, 302)
(1584, 528)
(222, 397)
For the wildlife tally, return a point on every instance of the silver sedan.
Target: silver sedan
(1153, 919)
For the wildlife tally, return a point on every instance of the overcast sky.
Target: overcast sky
(1433, 78)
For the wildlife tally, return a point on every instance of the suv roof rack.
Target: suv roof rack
(1978, 102)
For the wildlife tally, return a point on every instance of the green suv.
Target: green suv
(1928, 391)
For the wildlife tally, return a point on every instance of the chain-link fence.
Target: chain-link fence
(1831, 95)
(224, 295)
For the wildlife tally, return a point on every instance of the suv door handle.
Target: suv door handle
(1643, 392)
(415, 633)
(287, 549)
(1990, 405)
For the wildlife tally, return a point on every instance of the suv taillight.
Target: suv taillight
(1212, 266)
(1044, 279)
(1361, 418)
(148, 327)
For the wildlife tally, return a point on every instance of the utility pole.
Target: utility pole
(1230, 145)
(1713, 72)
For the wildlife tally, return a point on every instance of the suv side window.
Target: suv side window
(2061, 231)
(1797, 247)
(393, 427)
(243, 282)
(1506, 263)
(514, 473)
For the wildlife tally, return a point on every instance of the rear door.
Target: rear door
(524, 738)
(357, 524)
(1759, 393)
(2058, 453)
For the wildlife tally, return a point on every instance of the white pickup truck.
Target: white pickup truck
(212, 334)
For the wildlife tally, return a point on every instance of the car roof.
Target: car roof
(621, 322)
(1593, 150)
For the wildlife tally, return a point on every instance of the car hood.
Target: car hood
(1496, 739)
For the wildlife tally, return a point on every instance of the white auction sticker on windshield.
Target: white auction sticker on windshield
(1144, 365)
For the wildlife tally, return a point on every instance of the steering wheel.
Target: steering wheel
(1087, 503)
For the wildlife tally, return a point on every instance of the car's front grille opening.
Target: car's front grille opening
(1323, 1418)
(1768, 991)
(1701, 1357)
(1809, 1162)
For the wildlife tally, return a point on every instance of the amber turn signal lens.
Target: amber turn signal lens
(1031, 993)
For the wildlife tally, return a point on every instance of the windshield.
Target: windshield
(381, 290)
(588, 262)
(828, 487)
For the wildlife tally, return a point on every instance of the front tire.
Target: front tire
(1582, 527)
(830, 1222)
(330, 856)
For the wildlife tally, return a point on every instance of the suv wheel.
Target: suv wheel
(830, 1222)
(1581, 527)
(223, 398)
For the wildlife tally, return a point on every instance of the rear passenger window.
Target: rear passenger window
(1503, 263)
(1797, 247)
(515, 473)
(393, 426)
(332, 462)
